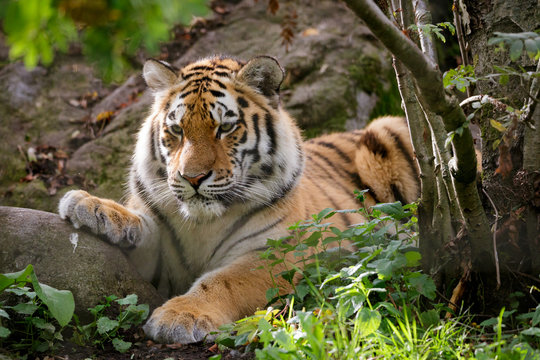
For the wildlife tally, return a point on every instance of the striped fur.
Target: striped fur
(219, 167)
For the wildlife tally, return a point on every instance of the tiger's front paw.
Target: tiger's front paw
(180, 320)
(102, 216)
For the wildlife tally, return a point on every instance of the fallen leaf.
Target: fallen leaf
(505, 161)
(310, 32)
(74, 102)
(213, 348)
(104, 115)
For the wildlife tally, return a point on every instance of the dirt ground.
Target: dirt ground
(145, 349)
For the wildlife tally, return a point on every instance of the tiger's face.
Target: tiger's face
(217, 121)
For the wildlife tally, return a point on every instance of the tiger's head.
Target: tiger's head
(221, 134)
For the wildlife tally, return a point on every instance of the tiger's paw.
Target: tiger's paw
(102, 217)
(178, 321)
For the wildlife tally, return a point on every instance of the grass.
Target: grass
(374, 303)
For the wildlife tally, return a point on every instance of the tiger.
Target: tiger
(219, 167)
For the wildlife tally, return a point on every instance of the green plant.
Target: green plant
(517, 42)
(111, 32)
(104, 329)
(373, 302)
(437, 29)
(35, 322)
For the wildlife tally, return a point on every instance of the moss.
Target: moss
(33, 194)
(335, 124)
(370, 76)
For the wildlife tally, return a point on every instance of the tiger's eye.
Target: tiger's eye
(226, 127)
(176, 129)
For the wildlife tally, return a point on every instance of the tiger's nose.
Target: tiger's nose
(197, 180)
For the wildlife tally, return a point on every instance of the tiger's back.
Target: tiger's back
(219, 167)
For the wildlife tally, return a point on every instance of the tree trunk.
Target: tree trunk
(511, 177)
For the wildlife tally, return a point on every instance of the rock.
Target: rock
(68, 259)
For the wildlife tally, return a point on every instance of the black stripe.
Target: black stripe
(176, 241)
(332, 202)
(372, 142)
(353, 177)
(153, 139)
(271, 133)
(398, 195)
(156, 277)
(201, 67)
(242, 102)
(220, 84)
(162, 173)
(183, 95)
(267, 169)
(243, 138)
(404, 151)
(222, 73)
(230, 113)
(217, 93)
(191, 74)
(341, 154)
(255, 150)
(256, 233)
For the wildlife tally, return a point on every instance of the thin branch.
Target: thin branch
(459, 33)
(423, 17)
(460, 38)
(534, 92)
(495, 253)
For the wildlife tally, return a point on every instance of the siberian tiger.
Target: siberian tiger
(220, 167)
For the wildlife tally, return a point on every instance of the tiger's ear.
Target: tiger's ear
(159, 75)
(262, 73)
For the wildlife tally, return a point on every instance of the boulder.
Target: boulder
(68, 259)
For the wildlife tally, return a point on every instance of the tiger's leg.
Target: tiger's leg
(121, 226)
(218, 297)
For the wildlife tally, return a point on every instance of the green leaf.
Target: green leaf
(424, 285)
(516, 49)
(325, 213)
(430, 318)
(104, 325)
(536, 316)
(490, 322)
(413, 258)
(3, 313)
(4, 332)
(449, 139)
(16, 277)
(393, 209)
(25, 308)
(59, 302)
(368, 321)
(128, 300)
(121, 345)
(43, 325)
(497, 125)
(534, 331)
(271, 294)
(530, 46)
